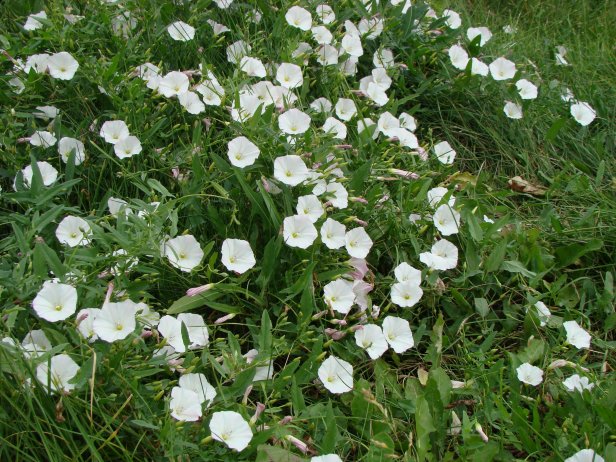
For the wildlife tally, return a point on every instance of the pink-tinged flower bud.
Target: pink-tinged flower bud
(423, 154)
(108, 294)
(146, 334)
(81, 318)
(482, 434)
(360, 267)
(299, 444)
(355, 328)
(339, 322)
(360, 222)
(207, 122)
(23, 140)
(224, 318)
(361, 200)
(92, 127)
(404, 174)
(198, 290)
(286, 420)
(103, 275)
(435, 32)
(175, 171)
(246, 393)
(319, 315)
(258, 411)
(375, 311)
(334, 334)
(343, 146)
(402, 66)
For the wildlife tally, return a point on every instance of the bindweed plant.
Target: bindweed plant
(236, 231)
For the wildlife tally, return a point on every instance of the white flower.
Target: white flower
(57, 373)
(73, 231)
(339, 295)
(370, 337)
(444, 153)
(199, 384)
(46, 112)
(86, 325)
(68, 145)
(117, 206)
(585, 455)
(173, 83)
(387, 124)
(252, 67)
(406, 273)
(237, 50)
(294, 122)
(502, 69)
(190, 101)
(181, 31)
(406, 294)
(436, 195)
(526, 89)
(327, 55)
(512, 110)
(336, 375)
(479, 68)
(62, 66)
(458, 57)
(32, 23)
(577, 336)
(351, 44)
(310, 206)
(345, 109)
(337, 195)
(55, 302)
(217, 27)
(299, 17)
(114, 130)
(35, 344)
(322, 35)
(242, 152)
(474, 32)
(211, 91)
(529, 374)
(171, 329)
(42, 138)
(298, 231)
(289, 75)
(115, 321)
(38, 62)
(358, 242)
(325, 14)
(326, 458)
(371, 28)
(48, 173)
(377, 94)
(237, 255)
(334, 127)
(127, 147)
(321, 105)
(397, 332)
(185, 405)
(453, 19)
(369, 125)
(183, 252)
(230, 428)
(407, 121)
(405, 137)
(383, 58)
(583, 113)
(543, 312)
(223, 4)
(290, 170)
(446, 220)
(443, 256)
(575, 382)
(333, 234)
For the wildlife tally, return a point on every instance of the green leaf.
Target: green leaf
(482, 307)
(265, 335)
(566, 255)
(552, 132)
(270, 260)
(424, 425)
(514, 266)
(268, 453)
(496, 257)
(144, 424)
(328, 443)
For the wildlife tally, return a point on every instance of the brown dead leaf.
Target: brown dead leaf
(519, 184)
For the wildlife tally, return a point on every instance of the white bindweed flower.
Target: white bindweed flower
(171, 329)
(577, 336)
(345, 109)
(252, 67)
(55, 301)
(325, 14)
(543, 313)
(458, 57)
(62, 66)
(575, 382)
(181, 32)
(173, 83)
(46, 112)
(183, 252)
(333, 233)
(230, 428)
(190, 101)
(369, 126)
(217, 28)
(43, 139)
(583, 113)
(114, 130)
(299, 17)
(383, 58)
(237, 255)
(473, 32)
(127, 147)
(398, 333)
(223, 4)
(513, 110)
(337, 195)
(529, 374)
(290, 170)
(327, 55)
(406, 294)
(289, 75)
(73, 231)
(502, 69)
(339, 295)
(322, 35)
(310, 206)
(68, 145)
(479, 68)
(298, 231)
(446, 220)
(585, 455)
(85, 324)
(351, 44)
(407, 121)
(526, 89)
(436, 195)
(442, 256)
(38, 62)
(406, 273)
(48, 173)
(237, 50)
(321, 105)
(370, 337)
(58, 372)
(118, 206)
(185, 405)
(336, 375)
(211, 91)
(294, 122)
(377, 94)
(32, 23)
(199, 384)
(326, 458)
(242, 152)
(453, 19)
(35, 344)
(444, 153)
(115, 321)
(336, 128)
(358, 242)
